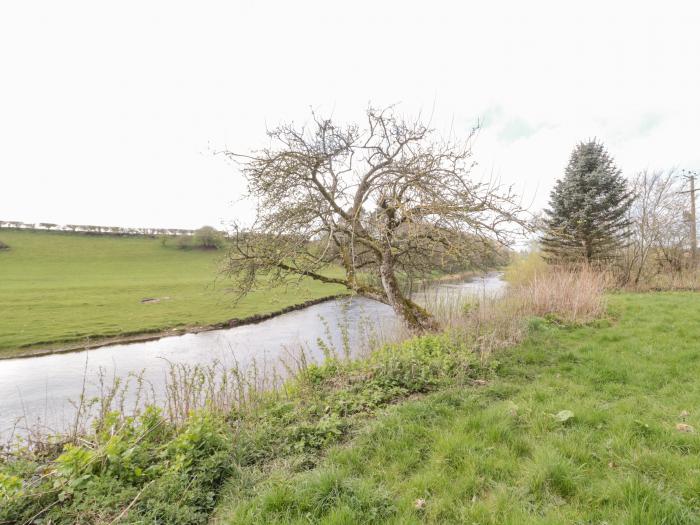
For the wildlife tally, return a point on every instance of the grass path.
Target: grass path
(60, 288)
(498, 454)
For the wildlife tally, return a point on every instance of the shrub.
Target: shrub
(524, 267)
(184, 242)
(135, 470)
(207, 238)
(3, 246)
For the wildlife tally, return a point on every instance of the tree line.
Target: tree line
(87, 228)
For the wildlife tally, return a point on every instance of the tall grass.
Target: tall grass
(573, 295)
(494, 320)
(686, 280)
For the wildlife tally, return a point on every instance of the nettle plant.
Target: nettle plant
(388, 198)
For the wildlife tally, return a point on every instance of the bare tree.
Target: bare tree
(378, 200)
(658, 231)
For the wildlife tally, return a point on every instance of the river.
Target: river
(37, 391)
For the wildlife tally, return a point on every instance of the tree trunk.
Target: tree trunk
(416, 318)
(588, 250)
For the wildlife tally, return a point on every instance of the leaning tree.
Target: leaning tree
(587, 217)
(380, 200)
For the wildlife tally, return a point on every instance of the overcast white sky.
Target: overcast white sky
(109, 111)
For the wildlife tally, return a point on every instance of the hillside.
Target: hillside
(59, 288)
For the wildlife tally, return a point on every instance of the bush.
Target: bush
(139, 469)
(3, 246)
(524, 267)
(184, 242)
(207, 238)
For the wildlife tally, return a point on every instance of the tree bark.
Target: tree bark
(416, 318)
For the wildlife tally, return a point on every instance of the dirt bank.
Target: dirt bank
(97, 342)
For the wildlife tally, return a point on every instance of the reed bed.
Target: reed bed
(496, 319)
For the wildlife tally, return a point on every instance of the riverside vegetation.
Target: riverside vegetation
(586, 424)
(524, 410)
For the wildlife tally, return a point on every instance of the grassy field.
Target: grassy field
(576, 425)
(58, 288)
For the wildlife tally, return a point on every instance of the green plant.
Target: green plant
(587, 219)
(523, 268)
(530, 433)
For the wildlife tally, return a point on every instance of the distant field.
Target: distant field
(61, 288)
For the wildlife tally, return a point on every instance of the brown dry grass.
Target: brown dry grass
(686, 280)
(573, 295)
(499, 320)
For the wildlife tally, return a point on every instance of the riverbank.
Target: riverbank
(40, 393)
(141, 337)
(70, 291)
(576, 423)
(64, 292)
(590, 424)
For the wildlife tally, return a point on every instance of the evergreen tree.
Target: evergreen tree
(587, 215)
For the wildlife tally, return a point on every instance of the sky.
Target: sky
(111, 113)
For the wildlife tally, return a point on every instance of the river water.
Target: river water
(37, 391)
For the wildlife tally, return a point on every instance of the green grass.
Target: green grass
(58, 288)
(497, 454)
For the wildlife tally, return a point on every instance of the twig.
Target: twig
(133, 501)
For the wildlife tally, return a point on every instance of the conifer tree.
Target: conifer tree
(587, 215)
